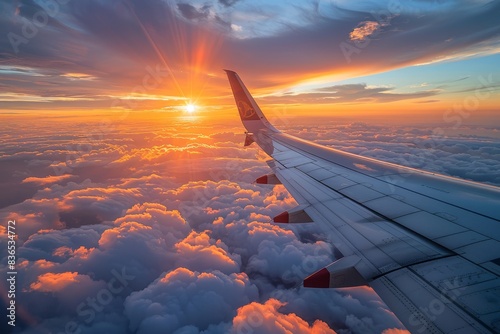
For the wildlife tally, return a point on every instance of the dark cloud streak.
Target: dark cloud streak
(351, 93)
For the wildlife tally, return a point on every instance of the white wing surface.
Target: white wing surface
(428, 244)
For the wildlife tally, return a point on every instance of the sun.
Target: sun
(190, 108)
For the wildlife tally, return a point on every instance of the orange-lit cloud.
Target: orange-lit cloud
(113, 235)
(44, 264)
(52, 282)
(395, 331)
(47, 179)
(266, 318)
(364, 30)
(199, 252)
(81, 252)
(176, 274)
(63, 251)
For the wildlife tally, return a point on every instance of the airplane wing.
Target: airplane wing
(428, 244)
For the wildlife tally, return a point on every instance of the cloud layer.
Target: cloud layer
(147, 229)
(151, 223)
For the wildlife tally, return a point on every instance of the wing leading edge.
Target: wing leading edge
(428, 244)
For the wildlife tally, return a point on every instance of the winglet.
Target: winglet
(252, 117)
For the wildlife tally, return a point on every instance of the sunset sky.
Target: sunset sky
(122, 157)
(329, 57)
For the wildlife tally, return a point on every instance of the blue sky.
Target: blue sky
(453, 75)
